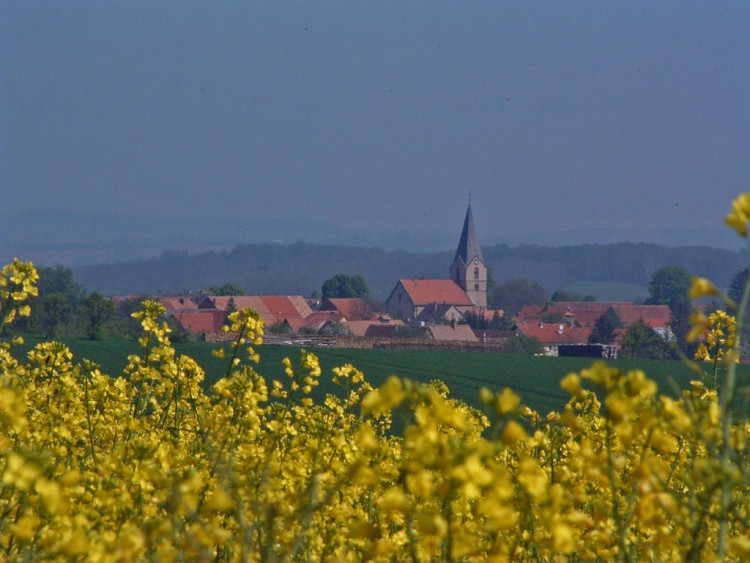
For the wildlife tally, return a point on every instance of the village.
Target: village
(420, 313)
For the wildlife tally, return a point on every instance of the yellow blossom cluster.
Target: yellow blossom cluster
(152, 465)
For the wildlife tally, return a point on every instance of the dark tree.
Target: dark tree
(59, 279)
(567, 295)
(98, 311)
(343, 286)
(553, 318)
(642, 341)
(480, 322)
(225, 289)
(56, 311)
(512, 295)
(126, 324)
(48, 313)
(491, 283)
(671, 286)
(231, 306)
(521, 344)
(605, 327)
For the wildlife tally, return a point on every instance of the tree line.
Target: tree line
(301, 268)
(64, 308)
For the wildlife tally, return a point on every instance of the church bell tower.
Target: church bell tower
(468, 269)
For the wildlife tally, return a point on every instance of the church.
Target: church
(434, 300)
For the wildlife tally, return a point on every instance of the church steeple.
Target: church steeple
(468, 245)
(468, 269)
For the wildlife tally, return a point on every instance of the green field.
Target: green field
(536, 379)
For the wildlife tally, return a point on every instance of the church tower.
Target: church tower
(468, 269)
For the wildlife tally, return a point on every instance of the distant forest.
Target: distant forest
(302, 268)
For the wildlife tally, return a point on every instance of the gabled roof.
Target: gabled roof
(654, 316)
(199, 321)
(468, 245)
(425, 292)
(373, 327)
(239, 302)
(177, 302)
(353, 308)
(271, 308)
(586, 313)
(462, 333)
(286, 306)
(318, 320)
(577, 308)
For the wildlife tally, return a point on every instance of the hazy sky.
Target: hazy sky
(552, 114)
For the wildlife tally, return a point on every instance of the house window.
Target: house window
(476, 273)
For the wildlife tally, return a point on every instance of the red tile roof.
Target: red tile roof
(588, 312)
(286, 306)
(654, 316)
(582, 309)
(318, 320)
(353, 308)
(200, 321)
(424, 292)
(363, 328)
(271, 308)
(177, 302)
(553, 333)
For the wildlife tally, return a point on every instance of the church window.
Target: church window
(476, 273)
(476, 287)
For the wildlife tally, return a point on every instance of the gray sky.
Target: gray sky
(552, 114)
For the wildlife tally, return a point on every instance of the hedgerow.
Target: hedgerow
(150, 466)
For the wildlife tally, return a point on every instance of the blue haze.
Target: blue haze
(596, 119)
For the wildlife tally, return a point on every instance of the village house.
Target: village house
(452, 332)
(351, 308)
(289, 309)
(411, 297)
(553, 335)
(570, 323)
(586, 313)
(285, 313)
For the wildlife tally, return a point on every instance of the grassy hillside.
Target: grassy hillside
(536, 379)
(610, 291)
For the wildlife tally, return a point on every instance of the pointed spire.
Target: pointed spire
(468, 246)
